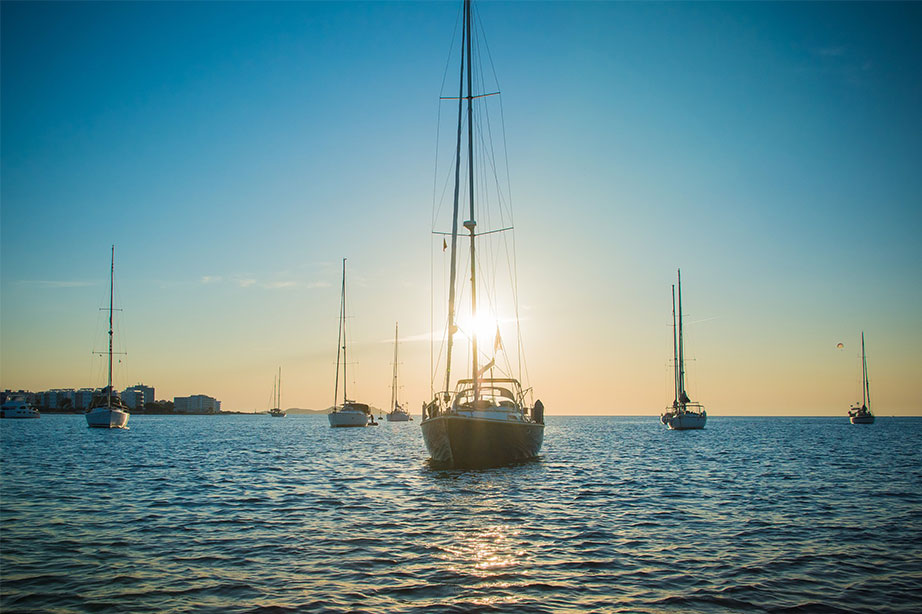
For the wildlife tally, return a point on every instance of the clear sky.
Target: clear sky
(234, 153)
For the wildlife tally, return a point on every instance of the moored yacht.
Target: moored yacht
(861, 414)
(276, 411)
(485, 420)
(107, 410)
(684, 414)
(349, 413)
(18, 408)
(397, 413)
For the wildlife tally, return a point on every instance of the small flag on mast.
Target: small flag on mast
(444, 245)
(498, 343)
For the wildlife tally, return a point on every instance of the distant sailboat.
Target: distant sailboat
(861, 414)
(349, 413)
(397, 412)
(276, 412)
(485, 421)
(107, 410)
(684, 414)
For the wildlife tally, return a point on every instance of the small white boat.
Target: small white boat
(349, 413)
(684, 413)
(18, 408)
(276, 412)
(107, 411)
(397, 413)
(861, 414)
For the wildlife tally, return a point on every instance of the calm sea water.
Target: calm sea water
(254, 514)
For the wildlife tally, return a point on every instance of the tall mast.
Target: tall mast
(675, 353)
(865, 391)
(345, 380)
(683, 398)
(111, 294)
(339, 339)
(454, 218)
(394, 381)
(470, 224)
(278, 392)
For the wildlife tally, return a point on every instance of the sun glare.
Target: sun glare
(485, 325)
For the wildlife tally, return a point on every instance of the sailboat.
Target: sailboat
(397, 412)
(107, 410)
(485, 420)
(349, 413)
(684, 413)
(862, 414)
(276, 412)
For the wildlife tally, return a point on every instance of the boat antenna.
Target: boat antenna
(111, 295)
(454, 216)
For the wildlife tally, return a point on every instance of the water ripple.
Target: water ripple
(251, 515)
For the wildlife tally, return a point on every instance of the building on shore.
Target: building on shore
(137, 396)
(196, 404)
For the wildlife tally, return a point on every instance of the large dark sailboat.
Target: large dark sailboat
(861, 414)
(684, 414)
(485, 420)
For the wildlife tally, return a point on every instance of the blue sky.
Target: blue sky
(235, 152)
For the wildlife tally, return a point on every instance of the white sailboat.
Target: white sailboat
(349, 413)
(485, 420)
(684, 413)
(18, 408)
(861, 414)
(107, 410)
(397, 412)
(276, 412)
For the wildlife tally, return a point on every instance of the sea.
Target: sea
(252, 514)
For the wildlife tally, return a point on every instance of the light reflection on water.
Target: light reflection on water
(250, 514)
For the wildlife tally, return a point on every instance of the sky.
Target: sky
(235, 153)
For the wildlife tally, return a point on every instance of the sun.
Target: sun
(485, 326)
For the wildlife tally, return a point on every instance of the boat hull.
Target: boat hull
(277, 414)
(398, 416)
(19, 411)
(685, 422)
(861, 419)
(107, 418)
(348, 418)
(459, 441)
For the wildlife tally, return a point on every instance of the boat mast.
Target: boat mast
(340, 346)
(111, 294)
(683, 397)
(394, 382)
(454, 221)
(866, 391)
(345, 380)
(675, 353)
(278, 392)
(470, 224)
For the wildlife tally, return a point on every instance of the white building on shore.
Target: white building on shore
(137, 396)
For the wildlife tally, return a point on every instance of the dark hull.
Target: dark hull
(457, 441)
